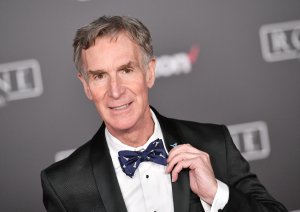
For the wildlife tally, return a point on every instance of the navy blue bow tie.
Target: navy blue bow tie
(130, 160)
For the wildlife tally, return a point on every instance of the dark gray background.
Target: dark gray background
(230, 83)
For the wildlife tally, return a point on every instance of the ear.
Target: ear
(150, 73)
(85, 86)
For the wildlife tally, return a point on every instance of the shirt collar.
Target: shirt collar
(115, 145)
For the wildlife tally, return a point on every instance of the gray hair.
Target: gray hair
(111, 26)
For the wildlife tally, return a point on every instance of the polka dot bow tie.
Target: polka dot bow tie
(130, 160)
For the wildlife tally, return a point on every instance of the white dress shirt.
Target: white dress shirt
(150, 189)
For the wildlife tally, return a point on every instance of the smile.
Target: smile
(120, 107)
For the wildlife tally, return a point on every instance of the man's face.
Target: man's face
(118, 82)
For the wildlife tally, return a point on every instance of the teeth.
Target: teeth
(120, 107)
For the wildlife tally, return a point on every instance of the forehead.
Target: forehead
(110, 51)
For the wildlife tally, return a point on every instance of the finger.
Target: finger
(179, 157)
(178, 168)
(182, 148)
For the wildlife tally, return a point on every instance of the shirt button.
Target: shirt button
(147, 176)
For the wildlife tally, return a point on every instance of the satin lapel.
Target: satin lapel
(104, 174)
(181, 188)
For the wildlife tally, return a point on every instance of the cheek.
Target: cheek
(97, 93)
(141, 91)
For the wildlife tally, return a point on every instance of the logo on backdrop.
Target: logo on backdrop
(20, 80)
(180, 63)
(252, 139)
(280, 41)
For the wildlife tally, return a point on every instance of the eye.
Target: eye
(127, 70)
(98, 76)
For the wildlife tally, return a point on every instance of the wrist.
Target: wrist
(209, 198)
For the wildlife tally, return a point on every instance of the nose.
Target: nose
(116, 88)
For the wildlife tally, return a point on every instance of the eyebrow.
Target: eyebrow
(130, 64)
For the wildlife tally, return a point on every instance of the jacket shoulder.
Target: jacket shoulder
(70, 183)
(72, 164)
(191, 129)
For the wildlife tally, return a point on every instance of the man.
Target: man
(139, 160)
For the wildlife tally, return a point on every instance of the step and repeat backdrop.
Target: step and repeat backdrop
(228, 62)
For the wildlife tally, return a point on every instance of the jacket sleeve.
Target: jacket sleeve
(51, 200)
(246, 193)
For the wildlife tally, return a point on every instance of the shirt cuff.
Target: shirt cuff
(220, 200)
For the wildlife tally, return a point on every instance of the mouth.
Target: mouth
(121, 107)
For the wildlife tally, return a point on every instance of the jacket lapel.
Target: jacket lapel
(104, 174)
(181, 188)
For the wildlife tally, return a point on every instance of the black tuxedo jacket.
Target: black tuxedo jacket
(86, 180)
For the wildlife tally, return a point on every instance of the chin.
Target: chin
(121, 125)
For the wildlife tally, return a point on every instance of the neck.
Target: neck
(138, 135)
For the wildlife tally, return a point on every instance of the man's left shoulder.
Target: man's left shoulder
(200, 126)
(206, 130)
